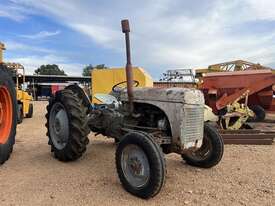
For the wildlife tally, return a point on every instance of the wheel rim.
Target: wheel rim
(205, 151)
(6, 114)
(59, 126)
(135, 165)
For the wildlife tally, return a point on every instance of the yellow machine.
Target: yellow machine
(25, 107)
(103, 80)
(237, 65)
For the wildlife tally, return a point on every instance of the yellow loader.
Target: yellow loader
(24, 99)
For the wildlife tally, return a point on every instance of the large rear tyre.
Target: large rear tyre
(67, 127)
(211, 151)
(140, 165)
(30, 112)
(8, 114)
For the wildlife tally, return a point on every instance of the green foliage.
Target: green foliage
(49, 69)
(87, 69)
(100, 66)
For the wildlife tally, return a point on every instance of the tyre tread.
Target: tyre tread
(156, 158)
(78, 128)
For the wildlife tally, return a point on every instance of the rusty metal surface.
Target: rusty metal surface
(129, 71)
(236, 80)
(249, 136)
(231, 85)
(258, 136)
(249, 141)
(251, 89)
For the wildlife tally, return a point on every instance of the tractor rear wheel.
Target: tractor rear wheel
(67, 126)
(211, 151)
(140, 165)
(8, 114)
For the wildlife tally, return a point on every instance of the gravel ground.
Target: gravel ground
(245, 176)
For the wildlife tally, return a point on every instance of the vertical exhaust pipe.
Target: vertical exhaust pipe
(129, 71)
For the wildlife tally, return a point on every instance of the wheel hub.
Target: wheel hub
(135, 165)
(59, 126)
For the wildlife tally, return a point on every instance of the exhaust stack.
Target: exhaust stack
(129, 71)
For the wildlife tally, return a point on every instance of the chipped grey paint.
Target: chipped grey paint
(180, 95)
(172, 102)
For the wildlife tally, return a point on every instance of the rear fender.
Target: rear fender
(80, 93)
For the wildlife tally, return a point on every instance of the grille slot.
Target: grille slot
(192, 123)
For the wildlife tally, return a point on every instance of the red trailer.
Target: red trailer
(230, 95)
(223, 88)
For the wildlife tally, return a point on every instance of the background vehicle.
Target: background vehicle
(17, 71)
(146, 123)
(24, 99)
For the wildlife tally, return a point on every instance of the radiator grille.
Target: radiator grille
(192, 123)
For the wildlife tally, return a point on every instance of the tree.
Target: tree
(50, 69)
(87, 69)
(100, 66)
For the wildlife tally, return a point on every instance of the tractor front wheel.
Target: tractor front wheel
(8, 114)
(211, 151)
(67, 126)
(140, 165)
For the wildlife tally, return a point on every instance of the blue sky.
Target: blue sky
(165, 34)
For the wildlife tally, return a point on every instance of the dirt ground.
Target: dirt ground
(245, 176)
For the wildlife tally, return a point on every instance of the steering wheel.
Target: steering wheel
(123, 85)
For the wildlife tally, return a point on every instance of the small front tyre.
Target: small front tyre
(140, 165)
(211, 151)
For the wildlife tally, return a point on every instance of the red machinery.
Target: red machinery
(235, 96)
(231, 94)
(223, 88)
